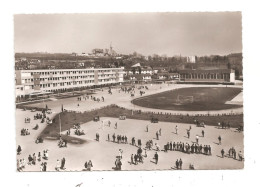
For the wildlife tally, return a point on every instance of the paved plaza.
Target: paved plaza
(103, 153)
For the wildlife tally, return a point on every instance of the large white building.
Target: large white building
(30, 82)
(191, 59)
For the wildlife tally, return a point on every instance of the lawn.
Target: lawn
(68, 119)
(204, 99)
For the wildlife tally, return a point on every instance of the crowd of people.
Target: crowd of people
(136, 158)
(187, 148)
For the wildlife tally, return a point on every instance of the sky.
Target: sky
(197, 33)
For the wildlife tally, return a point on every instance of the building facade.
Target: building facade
(218, 76)
(37, 81)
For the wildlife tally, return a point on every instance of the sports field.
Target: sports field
(191, 99)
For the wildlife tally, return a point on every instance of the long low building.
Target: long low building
(33, 82)
(216, 76)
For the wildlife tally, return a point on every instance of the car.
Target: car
(122, 117)
(96, 118)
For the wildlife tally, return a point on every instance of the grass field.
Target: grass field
(204, 98)
(68, 119)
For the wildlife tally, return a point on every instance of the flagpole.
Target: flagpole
(60, 125)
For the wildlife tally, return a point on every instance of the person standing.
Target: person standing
(57, 168)
(44, 166)
(114, 137)
(34, 159)
(180, 163)
(132, 159)
(202, 132)
(63, 163)
(120, 153)
(219, 140)
(188, 133)
(197, 139)
(176, 129)
(156, 157)
(146, 128)
(19, 149)
(177, 164)
(160, 132)
(222, 153)
(116, 125)
(157, 135)
(89, 165)
(108, 138)
(135, 158)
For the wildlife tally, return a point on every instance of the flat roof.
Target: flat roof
(207, 71)
(82, 69)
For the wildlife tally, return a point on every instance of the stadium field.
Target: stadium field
(191, 99)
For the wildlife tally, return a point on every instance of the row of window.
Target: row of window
(64, 78)
(68, 83)
(205, 76)
(70, 72)
(64, 84)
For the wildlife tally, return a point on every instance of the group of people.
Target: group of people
(178, 164)
(25, 132)
(21, 164)
(39, 116)
(39, 140)
(119, 138)
(233, 154)
(79, 132)
(138, 157)
(27, 120)
(62, 143)
(60, 164)
(224, 125)
(88, 165)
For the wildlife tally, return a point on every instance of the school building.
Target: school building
(39, 82)
(207, 76)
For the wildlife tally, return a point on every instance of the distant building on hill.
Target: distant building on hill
(191, 59)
